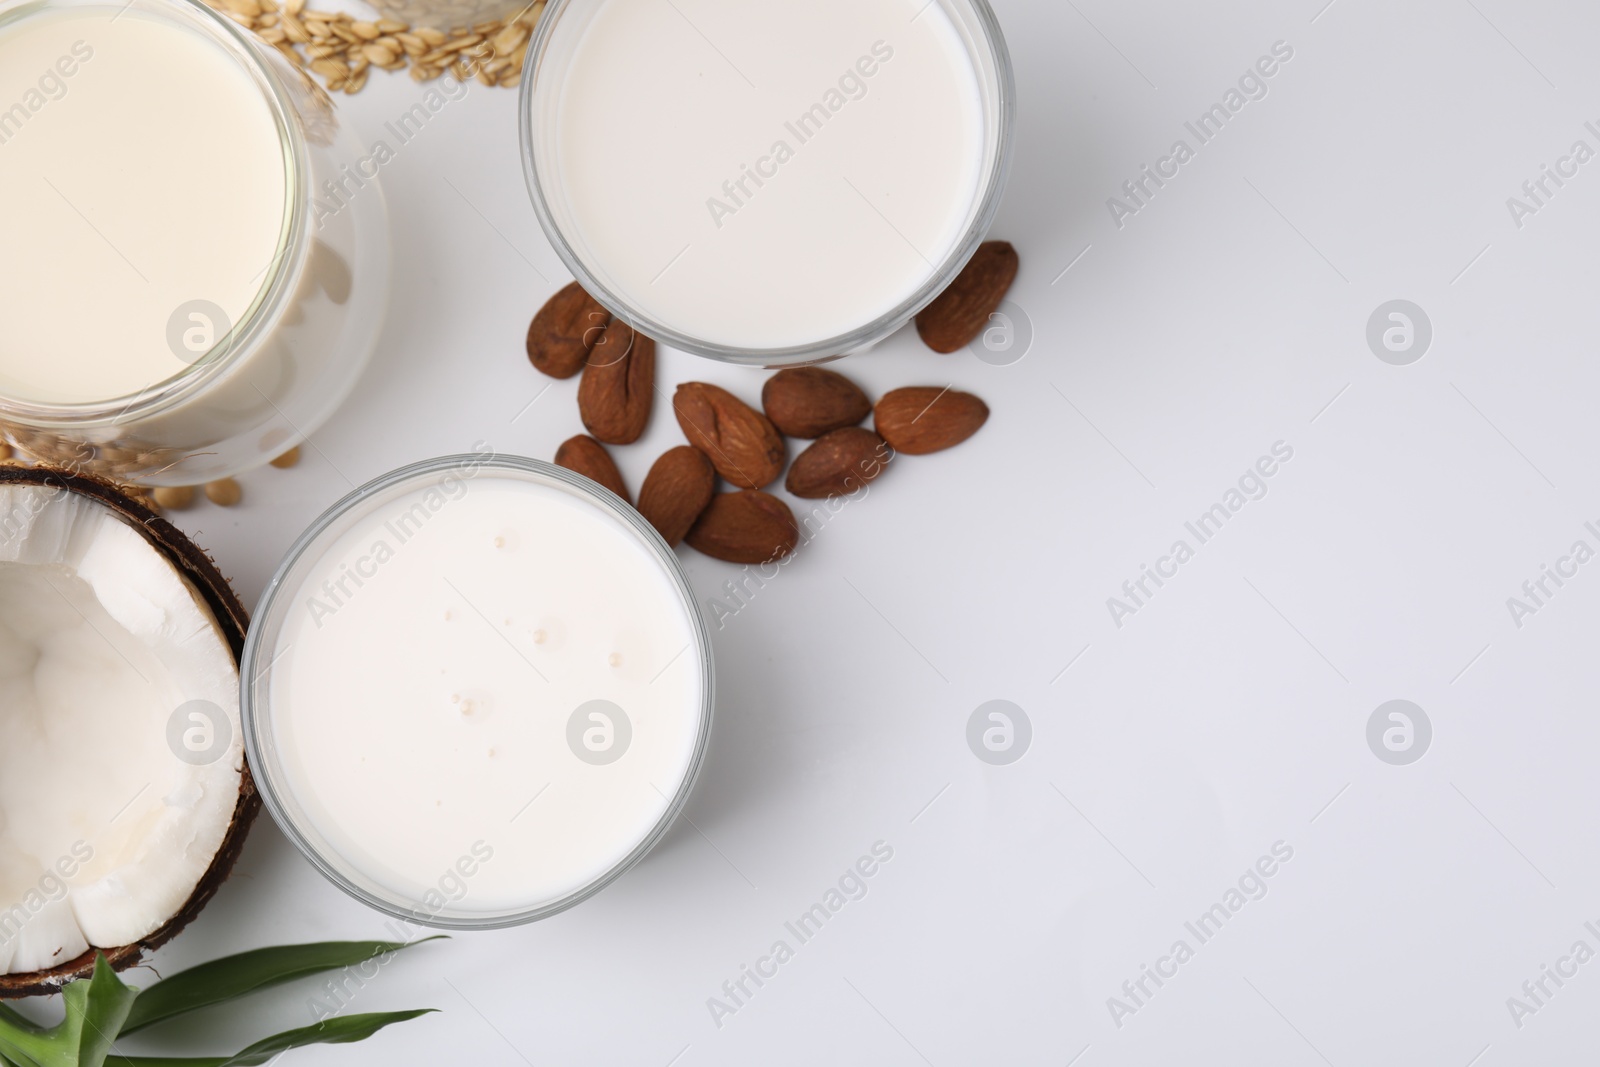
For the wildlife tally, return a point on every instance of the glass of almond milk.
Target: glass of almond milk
(477, 691)
(766, 183)
(196, 262)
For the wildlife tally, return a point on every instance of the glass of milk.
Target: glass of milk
(476, 691)
(197, 255)
(766, 183)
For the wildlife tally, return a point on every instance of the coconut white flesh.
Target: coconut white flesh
(104, 831)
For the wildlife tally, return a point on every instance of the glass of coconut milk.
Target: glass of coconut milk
(196, 266)
(477, 691)
(766, 183)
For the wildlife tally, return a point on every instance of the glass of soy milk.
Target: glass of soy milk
(766, 183)
(477, 691)
(196, 264)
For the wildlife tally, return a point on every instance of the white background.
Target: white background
(1228, 714)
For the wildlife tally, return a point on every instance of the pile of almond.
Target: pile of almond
(730, 440)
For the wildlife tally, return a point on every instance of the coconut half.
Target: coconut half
(124, 796)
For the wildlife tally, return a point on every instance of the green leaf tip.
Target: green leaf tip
(248, 972)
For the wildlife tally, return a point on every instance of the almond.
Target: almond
(960, 313)
(810, 401)
(561, 334)
(586, 456)
(619, 385)
(838, 463)
(739, 441)
(745, 527)
(676, 491)
(925, 418)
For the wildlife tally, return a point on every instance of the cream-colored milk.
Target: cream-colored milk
(140, 170)
(664, 102)
(422, 696)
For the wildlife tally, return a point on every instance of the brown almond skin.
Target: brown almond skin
(809, 402)
(926, 418)
(676, 491)
(564, 330)
(960, 313)
(586, 456)
(745, 527)
(838, 463)
(618, 388)
(741, 443)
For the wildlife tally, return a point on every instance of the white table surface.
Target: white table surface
(1170, 753)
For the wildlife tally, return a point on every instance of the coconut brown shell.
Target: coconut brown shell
(233, 621)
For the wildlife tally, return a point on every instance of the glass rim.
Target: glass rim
(288, 260)
(254, 721)
(987, 203)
